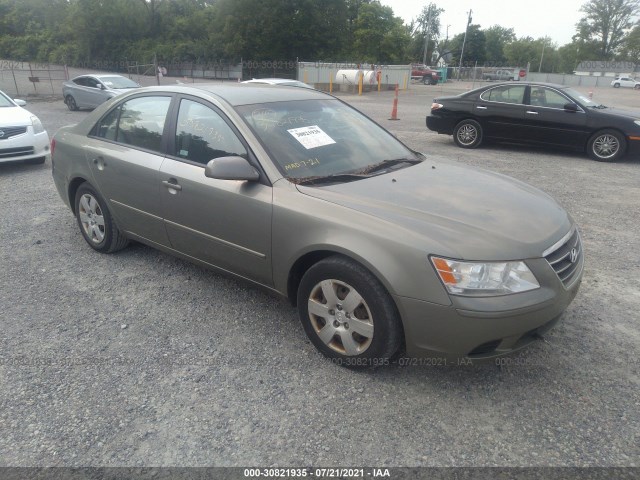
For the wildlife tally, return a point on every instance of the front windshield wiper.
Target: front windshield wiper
(599, 107)
(334, 177)
(388, 163)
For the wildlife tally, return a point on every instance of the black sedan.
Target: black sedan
(540, 114)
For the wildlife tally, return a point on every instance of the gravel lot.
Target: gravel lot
(140, 359)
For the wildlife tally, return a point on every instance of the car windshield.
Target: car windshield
(582, 98)
(310, 139)
(118, 82)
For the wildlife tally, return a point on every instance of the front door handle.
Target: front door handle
(480, 107)
(531, 112)
(172, 184)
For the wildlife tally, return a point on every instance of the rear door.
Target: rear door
(500, 111)
(125, 152)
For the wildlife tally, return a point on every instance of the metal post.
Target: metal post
(426, 38)
(463, 42)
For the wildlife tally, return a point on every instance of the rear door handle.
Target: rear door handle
(480, 107)
(172, 184)
(531, 112)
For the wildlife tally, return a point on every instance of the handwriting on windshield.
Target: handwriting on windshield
(267, 119)
(311, 162)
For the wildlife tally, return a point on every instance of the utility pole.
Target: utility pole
(426, 37)
(544, 43)
(463, 42)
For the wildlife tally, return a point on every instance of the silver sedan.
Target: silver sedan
(381, 249)
(89, 91)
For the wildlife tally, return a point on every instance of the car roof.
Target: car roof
(237, 94)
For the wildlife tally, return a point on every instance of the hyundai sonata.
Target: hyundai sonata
(380, 248)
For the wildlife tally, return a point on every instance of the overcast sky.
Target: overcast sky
(538, 18)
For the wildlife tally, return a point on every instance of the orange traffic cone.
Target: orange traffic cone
(394, 112)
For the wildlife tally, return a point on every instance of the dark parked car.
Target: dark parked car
(89, 91)
(537, 113)
(298, 192)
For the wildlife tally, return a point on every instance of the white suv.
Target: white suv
(625, 82)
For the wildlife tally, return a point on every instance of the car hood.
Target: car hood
(459, 211)
(618, 112)
(15, 117)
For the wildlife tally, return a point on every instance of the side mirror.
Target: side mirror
(570, 107)
(102, 87)
(231, 168)
(20, 103)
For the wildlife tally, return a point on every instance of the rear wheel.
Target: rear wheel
(347, 314)
(616, 85)
(71, 103)
(468, 134)
(95, 221)
(606, 146)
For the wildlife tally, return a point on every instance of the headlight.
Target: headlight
(637, 122)
(436, 106)
(484, 279)
(37, 124)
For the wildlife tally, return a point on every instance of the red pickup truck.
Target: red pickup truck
(424, 74)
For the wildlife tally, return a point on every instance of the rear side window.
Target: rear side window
(138, 123)
(505, 94)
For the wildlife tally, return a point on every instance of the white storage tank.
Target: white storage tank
(352, 77)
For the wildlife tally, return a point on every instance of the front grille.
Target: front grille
(15, 152)
(8, 132)
(566, 258)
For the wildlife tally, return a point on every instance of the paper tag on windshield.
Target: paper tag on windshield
(311, 137)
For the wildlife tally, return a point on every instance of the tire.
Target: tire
(606, 146)
(637, 86)
(95, 221)
(616, 85)
(353, 319)
(71, 103)
(468, 134)
(426, 80)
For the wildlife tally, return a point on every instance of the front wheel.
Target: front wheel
(347, 314)
(95, 221)
(468, 134)
(637, 86)
(606, 146)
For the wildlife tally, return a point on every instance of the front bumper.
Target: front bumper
(25, 147)
(480, 328)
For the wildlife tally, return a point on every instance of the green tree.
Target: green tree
(379, 36)
(474, 47)
(427, 23)
(630, 48)
(496, 37)
(605, 23)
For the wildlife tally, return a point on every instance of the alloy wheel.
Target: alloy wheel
(340, 317)
(91, 218)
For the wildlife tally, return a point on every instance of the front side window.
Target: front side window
(202, 135)
(547, 97)
(505, 94)
(138, 122)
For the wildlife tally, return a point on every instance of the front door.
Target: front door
(549, 123)
(222, 222)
